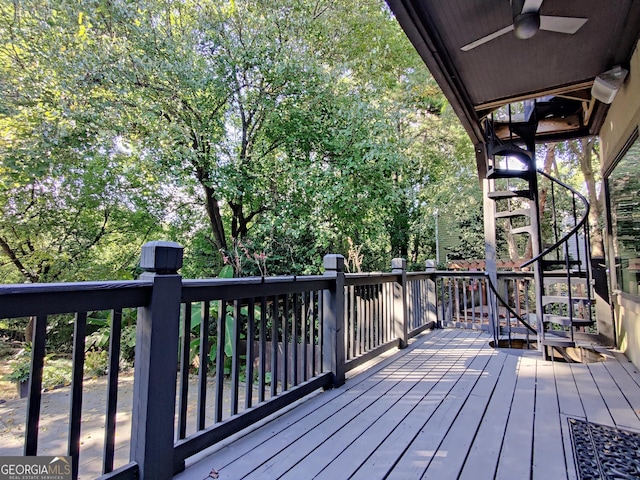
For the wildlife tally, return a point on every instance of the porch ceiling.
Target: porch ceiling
(508, 69)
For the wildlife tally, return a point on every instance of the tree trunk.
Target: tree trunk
(549, 163)
(585, 157)
(215, 218)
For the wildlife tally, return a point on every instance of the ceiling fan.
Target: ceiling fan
(527, 21)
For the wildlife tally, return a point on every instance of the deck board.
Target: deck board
(447, 462)
(382, 461)
(448, 406)
(617, 404)
(337, 455)
(594, 405)
(425, 445)
(515, 455)
(548, 449)
(482, 457)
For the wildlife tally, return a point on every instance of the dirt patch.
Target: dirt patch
(8, 389)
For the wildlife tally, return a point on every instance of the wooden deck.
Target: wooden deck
(447, 407)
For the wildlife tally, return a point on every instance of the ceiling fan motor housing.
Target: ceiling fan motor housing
(526, 25)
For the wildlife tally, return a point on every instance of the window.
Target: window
(623, 185)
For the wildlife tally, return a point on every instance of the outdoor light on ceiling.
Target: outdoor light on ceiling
(526, 25)
(606, 85)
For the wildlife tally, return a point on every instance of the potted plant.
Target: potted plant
(20, 371)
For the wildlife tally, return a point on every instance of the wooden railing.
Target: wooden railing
(272, 341)
(467, 300)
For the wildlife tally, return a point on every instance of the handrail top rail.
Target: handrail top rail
(450, 273)
(35, 288)
(373, 278)
(571, 232)
(369, 274)
(480, 274)
(208, 282)
(33, 299)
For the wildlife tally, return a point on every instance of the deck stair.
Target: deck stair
(561, 263)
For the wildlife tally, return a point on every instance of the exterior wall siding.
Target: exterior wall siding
(623, 118)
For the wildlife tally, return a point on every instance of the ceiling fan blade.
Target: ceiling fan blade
(531, 6)
(568, 25)
(487, 38)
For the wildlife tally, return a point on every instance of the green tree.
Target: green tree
(71, 191)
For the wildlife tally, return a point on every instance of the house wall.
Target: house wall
(622, 119)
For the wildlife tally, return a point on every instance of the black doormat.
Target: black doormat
(603, 452)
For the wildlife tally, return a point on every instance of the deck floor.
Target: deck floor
(449, 406)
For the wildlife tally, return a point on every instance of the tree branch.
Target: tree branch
(6, 248)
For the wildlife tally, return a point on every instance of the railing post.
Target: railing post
(152, 429)
(432, 311)
(400, 317)
(333, 353)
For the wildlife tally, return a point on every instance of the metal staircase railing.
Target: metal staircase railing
(561, 305)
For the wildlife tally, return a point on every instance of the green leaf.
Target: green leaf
(229, 322)
(226, 272)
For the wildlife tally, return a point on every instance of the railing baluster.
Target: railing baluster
(35, 385)
(454, 317)
(484, 302)
(285, 344)
(319, 318)
(262, 366)
(303, 336)
(248, 395)
(235, 357)
(507, 314)
(351, 308)
(368, 316)
(357, 320)
(203, 364)
(112, 390)
(294, 339)
(473, 285)
(526, 306)
(390, 329)
(185, 350)
(312, 330)
(379, 322)
(221, 332)
(75, 416)
(464, 299)
(456, 291)
(274, 346)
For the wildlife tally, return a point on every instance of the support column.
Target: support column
(490, 256)
(156, 360)
(399, 267)
(333, 348)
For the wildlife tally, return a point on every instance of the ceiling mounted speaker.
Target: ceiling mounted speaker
(607, 84)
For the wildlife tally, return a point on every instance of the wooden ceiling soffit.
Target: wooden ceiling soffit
(485, 109)
(547, 127)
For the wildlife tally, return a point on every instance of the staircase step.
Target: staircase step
(558, 342)
(512, 150)
(560, 263)
(567, 321)
(495, 173)
(525, 130)
(500, 195)
(549, 299)
(525, 212)
(559, 276)
(525, 229)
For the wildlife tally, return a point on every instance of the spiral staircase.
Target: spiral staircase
(556, 239)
